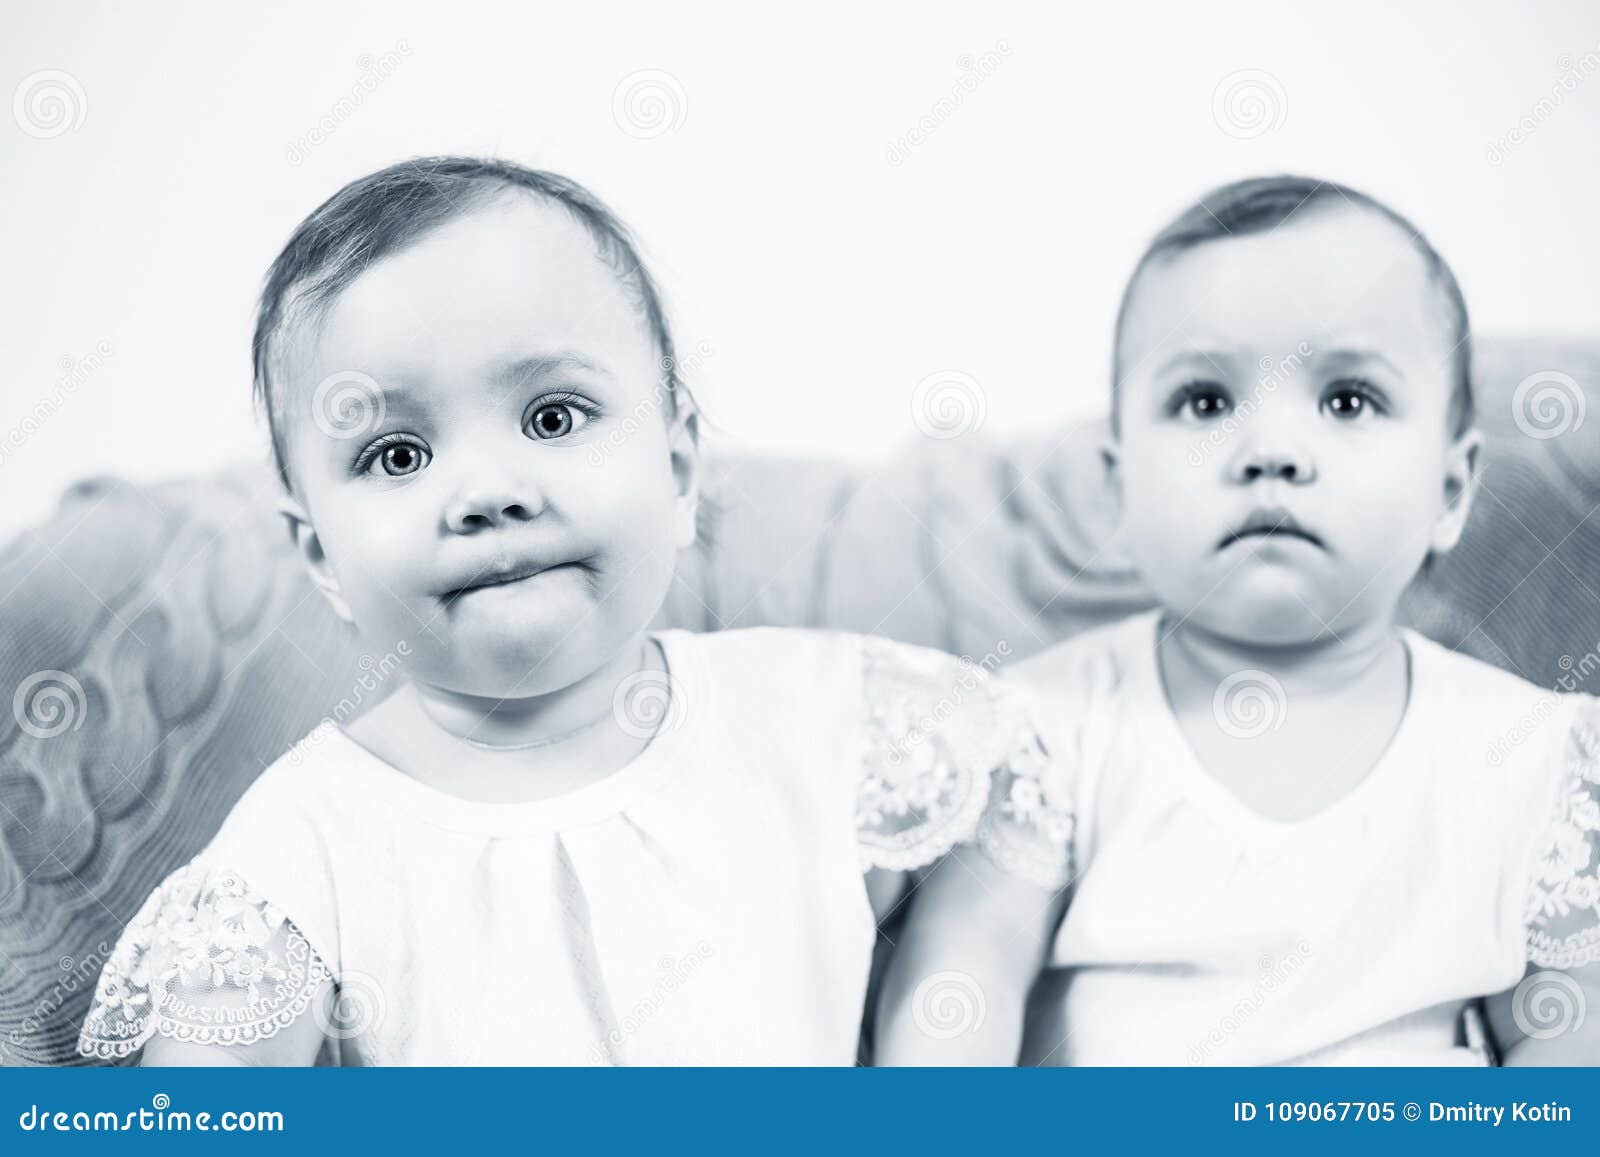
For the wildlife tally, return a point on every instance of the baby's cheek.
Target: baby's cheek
(641, 555)
(630, 489)
(377, 554)
(1395, 498)
(1383, 538)
(377, 567)
(1167, 504)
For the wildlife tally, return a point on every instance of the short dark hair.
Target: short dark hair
(1259, 204)
(382, 212)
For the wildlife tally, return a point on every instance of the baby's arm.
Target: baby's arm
(1552, 1002)
(958, 980)
(954, 757)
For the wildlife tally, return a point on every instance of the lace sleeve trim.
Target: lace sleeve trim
(1028, 827)
(936, 728)
(1564, 901)
(206, 959)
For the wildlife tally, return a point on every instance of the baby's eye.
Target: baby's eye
(394, 456)
(1203, 401)
(1350, 399)
(554, 419)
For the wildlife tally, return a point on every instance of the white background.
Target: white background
(825, 281)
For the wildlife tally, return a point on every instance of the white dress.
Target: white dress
(1200, 932)
(705, 904)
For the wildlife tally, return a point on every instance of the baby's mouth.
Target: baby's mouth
(1270, 524)
(502, 577)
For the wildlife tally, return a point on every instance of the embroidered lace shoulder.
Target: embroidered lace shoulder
(206, 959)
(937, 730)
(1564, 900)
(1028, 826)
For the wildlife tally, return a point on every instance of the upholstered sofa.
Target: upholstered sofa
(161, 646)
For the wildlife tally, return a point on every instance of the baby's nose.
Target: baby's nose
(1279, 459)
(1272, 466)
(482, 509)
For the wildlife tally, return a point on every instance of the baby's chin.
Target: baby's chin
(1273, 626)
(512, 664)
(506, 659)
(1281, 615)
(523, 655)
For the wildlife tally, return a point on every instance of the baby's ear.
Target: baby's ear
(309, 546)
(683, 442)
(1111, 466)
(1461, 473)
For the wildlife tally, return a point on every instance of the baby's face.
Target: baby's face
(493, 509)
(1285, 458)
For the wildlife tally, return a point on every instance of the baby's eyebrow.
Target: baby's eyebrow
(1352, 354)
(1216, 359)
(534, 366)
